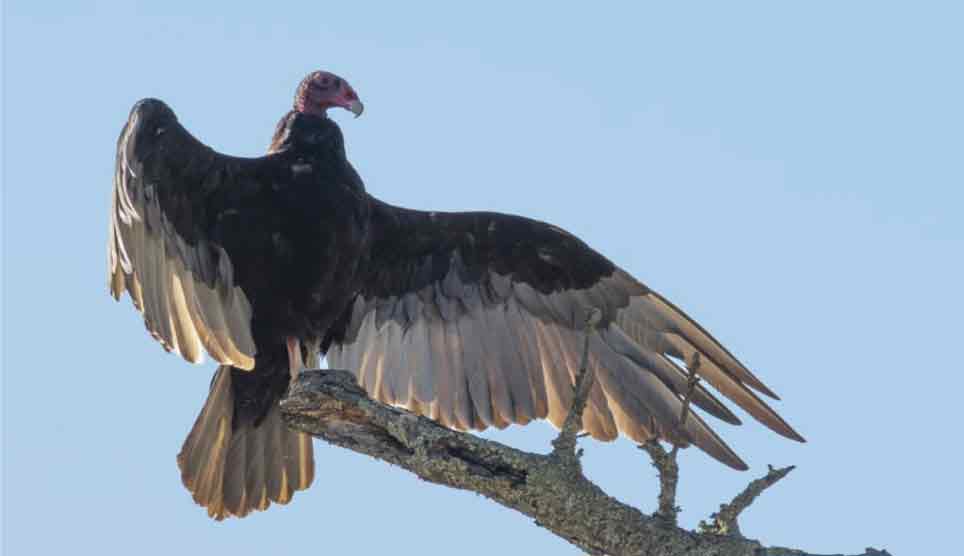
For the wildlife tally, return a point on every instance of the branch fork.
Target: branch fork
(724, 522)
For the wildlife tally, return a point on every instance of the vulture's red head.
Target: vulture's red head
(322, 90)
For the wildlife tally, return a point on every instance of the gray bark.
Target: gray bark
(550, 489)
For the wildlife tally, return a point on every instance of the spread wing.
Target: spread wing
(474, 319)
(169, 192)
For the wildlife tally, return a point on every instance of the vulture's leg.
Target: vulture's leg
(295, 363)
(313, 354)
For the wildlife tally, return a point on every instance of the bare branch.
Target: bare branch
(330, 405)
(564, 446)
(725, 521)
(665, 464)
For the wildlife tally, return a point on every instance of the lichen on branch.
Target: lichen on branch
(330, 405)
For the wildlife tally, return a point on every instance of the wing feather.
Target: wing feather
(492, 307)
(530, 360)
(158, 249)
(668, 317)
(555, 374)
(503, 410)
(470, 331)
(418, 348)
(507, 355)
(189, 340)
(440, 361)
(461, 398)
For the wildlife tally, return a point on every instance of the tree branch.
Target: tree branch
(330, 405)
(564, 446)
(665, 462)
(724, 522)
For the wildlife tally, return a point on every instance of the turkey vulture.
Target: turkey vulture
(470, 318)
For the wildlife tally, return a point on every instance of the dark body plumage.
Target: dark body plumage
(288, 230)
(473, 319)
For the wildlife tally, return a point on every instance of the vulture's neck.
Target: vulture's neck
(282, 133)
(297, 130)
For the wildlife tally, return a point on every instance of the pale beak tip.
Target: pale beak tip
(356, 108)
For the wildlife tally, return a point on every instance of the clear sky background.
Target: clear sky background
(788, 173)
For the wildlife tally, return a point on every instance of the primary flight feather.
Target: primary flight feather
(471, 318)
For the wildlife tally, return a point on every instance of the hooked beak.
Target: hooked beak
(356, 107)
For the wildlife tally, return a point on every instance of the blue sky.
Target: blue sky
(788, 173)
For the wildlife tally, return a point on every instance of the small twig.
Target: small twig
(692, 379)
(665, 464)
(564, 446)
(724, 522)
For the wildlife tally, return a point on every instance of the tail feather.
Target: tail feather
(233, 469)
(276, 480)
(254, 480)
